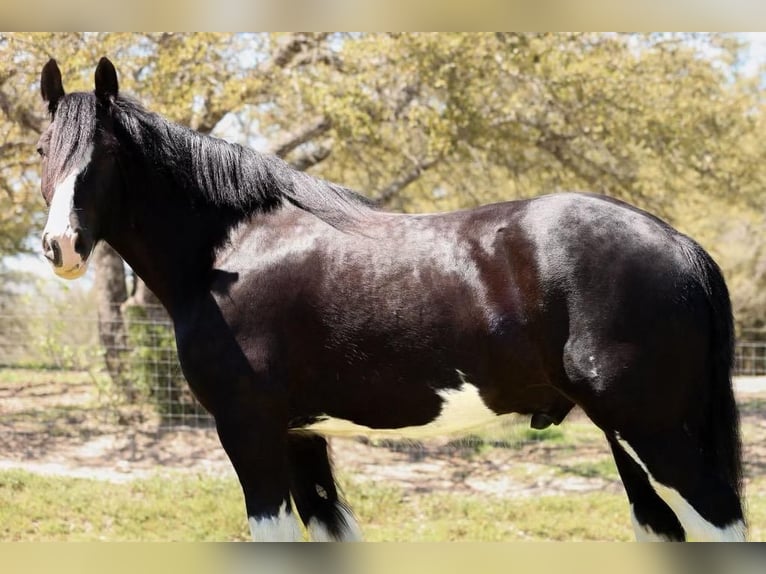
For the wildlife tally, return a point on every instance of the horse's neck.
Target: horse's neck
(169, 244)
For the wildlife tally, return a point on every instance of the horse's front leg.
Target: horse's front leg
(254, 435)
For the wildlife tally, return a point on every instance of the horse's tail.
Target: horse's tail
(720, 427)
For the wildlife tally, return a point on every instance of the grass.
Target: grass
(189, 507)
(460, 517)
(198, 508)
(549, 434)
(21, 377)
(205, 508)
(600, 468)
(177, 508)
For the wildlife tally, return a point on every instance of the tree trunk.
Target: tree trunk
(111, 292)
(142, 296)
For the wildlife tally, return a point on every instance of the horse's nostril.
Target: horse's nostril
(52, 251)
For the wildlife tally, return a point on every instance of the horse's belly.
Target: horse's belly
(461, 409)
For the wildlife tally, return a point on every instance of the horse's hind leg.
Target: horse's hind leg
(683, 435)
(707, 507)
(314, 491)
(653, 520)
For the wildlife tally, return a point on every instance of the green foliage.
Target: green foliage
(437, 121)
(43, 324)
(58, 345)
(52, 325)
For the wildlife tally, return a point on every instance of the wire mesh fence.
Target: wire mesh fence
(750, 358)
(130, 365)
(128, 369)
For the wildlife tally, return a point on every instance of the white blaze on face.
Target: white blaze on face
(58, 228)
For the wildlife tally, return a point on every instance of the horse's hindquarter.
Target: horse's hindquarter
(376, 325)
(637, 317)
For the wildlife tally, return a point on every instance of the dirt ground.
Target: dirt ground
(46, 431)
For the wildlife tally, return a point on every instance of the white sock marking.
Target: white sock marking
(280, 528)
(696, 527)
(643, 532)
(350, 531)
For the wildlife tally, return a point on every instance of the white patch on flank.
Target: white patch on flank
(350, 531)
(643, 532)
(461, 408)
(696, 527)
(58, 226)
(280, 528)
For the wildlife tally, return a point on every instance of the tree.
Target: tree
(434, 121)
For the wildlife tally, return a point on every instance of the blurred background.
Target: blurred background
(432, 122)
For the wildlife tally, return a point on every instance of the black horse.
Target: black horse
(295, 301)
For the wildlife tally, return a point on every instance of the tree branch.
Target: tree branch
(11, 147)
(25, 117)
(294, 45)
(311, 158)
(300, 136)
(404, 179)
(284, 56)
(405, 98)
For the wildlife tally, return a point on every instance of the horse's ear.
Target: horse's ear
(51, 87)
(106, 80)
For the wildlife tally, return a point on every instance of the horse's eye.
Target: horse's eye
(41, 151)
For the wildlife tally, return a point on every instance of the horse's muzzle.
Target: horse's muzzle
(66, 253)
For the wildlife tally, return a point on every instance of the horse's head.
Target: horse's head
(78, 167)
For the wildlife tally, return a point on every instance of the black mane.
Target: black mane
(230, 175)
